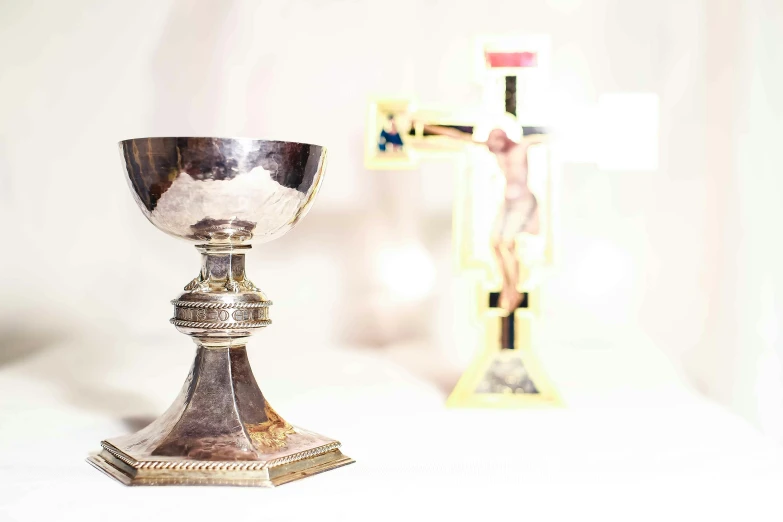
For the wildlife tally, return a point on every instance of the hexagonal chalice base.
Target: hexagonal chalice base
(221, 431)
(225, 194)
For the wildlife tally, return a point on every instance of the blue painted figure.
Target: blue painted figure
(390, 140)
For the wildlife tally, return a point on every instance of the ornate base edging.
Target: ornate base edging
(132, 472)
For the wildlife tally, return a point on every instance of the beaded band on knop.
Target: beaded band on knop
(200, 304)
(221, 326)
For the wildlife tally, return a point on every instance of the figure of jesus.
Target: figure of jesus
(519, 211)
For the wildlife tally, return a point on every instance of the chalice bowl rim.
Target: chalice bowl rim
(224, 138)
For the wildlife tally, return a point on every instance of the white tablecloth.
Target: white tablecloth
(628, 446)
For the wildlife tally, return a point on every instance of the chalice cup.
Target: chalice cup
(224, 194)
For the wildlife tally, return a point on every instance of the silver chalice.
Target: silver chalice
(224, 194)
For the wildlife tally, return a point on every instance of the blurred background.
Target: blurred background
(666, 276)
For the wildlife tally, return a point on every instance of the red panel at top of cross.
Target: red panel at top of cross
(505, 59)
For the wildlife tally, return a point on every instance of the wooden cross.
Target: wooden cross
(507, 322)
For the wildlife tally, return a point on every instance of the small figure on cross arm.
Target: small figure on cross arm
(390, 139)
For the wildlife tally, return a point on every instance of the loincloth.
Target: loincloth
(513, 217)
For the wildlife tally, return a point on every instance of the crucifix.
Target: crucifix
(519, 211)
(506, 373)
(514, 74)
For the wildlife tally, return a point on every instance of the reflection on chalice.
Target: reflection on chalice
(223, 194)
